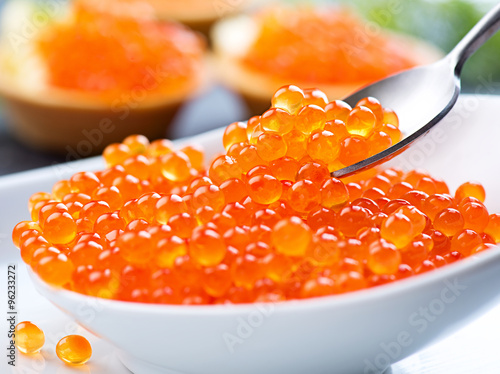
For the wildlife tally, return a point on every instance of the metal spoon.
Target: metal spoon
(422, 96)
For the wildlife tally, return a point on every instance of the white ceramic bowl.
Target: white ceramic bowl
(360, 332)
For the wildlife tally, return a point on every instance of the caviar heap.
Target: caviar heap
(335, 44)
(265, 222)
(129, 50)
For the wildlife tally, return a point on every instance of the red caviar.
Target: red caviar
(250, 227)
(354, 53)
(129, 50)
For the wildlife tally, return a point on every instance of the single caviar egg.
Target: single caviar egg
(338, 110)
(217, 280)
(353, 149)
(475, 215)
(74, 350)
(291, 236)
(60, 228)
(55, 269)
(315, 97)
(333, 193)
(288, 98)
(309, 119)
(222, 168)
(270, 146)
(277, 120)
(264, 189)
(29, 337)
(384, 258)
(304, 196)
(323, 145)
(234, 133)
(207, 247)
(138, 144)
(449, 221)
(465, 241)
(470, 189)
(493, 227)
(361, 121)
(375, 107)
(176, 166)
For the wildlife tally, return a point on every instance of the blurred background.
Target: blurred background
(441, 23)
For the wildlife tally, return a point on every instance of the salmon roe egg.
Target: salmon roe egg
(29, 337)
(264, 189)
(60, 228)
(277, 120)
(74, 350)
(234, 133)
(207, 247)
(383, 258)
(310, 118)
(353, 149)
(337, 110)
(493, 227)
(291, 236)
(375, 107)
(289, 98)
(323, 146)
(470, 189)
(361, 121)
(270, 146)
(333, 193)
(55, 269)
(304, 196)
(449, 221)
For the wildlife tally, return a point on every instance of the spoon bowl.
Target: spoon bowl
(422, 96)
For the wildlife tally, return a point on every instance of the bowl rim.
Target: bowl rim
(389, 290)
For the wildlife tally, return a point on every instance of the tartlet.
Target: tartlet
(76, 97)
(338, 52)
(199, 15)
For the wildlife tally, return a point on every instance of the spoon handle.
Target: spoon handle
(475, 38)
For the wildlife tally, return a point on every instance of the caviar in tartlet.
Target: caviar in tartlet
(265, 221)
(348, 51)
(95, 73)
(331, 48)
(106, 53)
